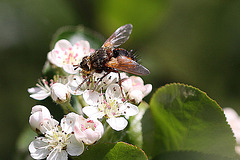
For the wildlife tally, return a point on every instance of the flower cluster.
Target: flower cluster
(60, 140)
(86, 106)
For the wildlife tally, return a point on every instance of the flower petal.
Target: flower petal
(74, 82)
(70, 69)
(92, 136)
(41, 95)
(60, 93)
(56, 155)
(91, 97)
(113, 91)
(40, 115)
(67, 123)
(75, 148)
(137, 81)
(135, 95)
(92, 112)
(127, 84)
(87, 130)
(83, 45)
(128, 109)
(118, 123)
(230, 113)
(40, 108)
(148, 89)
(54, 58)
(63, 44)
(233, 120)
(34, 90)
(89, 137)
(38, 149)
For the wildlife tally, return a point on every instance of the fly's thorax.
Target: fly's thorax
(99, 58)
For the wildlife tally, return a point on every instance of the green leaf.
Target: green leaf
(189, 155)
(119, 151)
(148, 132)
(185, 118)
(76, 33)
(134, 132)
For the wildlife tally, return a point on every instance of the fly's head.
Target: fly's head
(85, 64)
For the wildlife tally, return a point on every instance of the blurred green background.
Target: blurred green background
(192, 42)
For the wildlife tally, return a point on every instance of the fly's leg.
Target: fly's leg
(101, 80)
(89, 76)
(119, 81)
(120, 84)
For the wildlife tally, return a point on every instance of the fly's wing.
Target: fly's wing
(119, 37)
(126, 64)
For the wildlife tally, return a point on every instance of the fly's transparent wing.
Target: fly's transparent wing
(119, 37)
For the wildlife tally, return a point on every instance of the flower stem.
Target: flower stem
(81, 101)
(67, 107)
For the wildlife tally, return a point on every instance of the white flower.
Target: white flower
(65, 55)
(57, 143)
(40, 116)
(75, 81)
(57, 89)
(60, 93)
(112, 106)
(40, 92)
(135, 88)
(87, 130)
